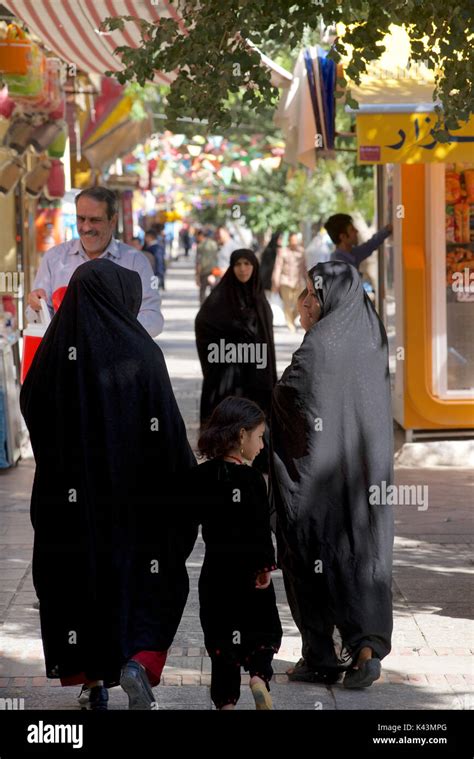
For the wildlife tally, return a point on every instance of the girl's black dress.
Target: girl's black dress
(230, 502)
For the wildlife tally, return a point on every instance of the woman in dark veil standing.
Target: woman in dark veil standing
(109, 444)
(332, 450)
(237, 313)
(267, 261)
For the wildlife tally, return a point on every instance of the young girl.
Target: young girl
(238, 609)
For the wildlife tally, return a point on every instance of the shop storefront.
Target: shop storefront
(426, 272)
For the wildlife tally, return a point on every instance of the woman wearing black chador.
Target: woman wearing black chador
(234, 337)
(237, 600)
(332, 450)
(110, 445)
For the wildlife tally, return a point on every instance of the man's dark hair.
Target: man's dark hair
(222, 432)
(337, 225)
(101, 195)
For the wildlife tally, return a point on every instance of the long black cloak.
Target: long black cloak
(108, 440)
(331, 441)
(236, 313)
(267, 261)
(236, 532)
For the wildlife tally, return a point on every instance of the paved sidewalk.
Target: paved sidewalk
(430, 666)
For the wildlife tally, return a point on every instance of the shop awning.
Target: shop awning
(70, 29)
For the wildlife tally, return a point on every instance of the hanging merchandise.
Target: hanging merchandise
(30, 83)
(44, 135)
(58, 145)
(7, 105)
(18, 135)
(10, 174)
(15, 50)
(59, 112)
(327, 69)
(36, 179)
(56, 185)
(49, 97)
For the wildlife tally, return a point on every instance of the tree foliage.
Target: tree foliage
(209, 52)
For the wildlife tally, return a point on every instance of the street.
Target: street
(430, 666)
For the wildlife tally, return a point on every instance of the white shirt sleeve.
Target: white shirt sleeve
(43, 280)
(150, 315)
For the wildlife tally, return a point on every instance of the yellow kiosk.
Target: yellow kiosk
(426, 271)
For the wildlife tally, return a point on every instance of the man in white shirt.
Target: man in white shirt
(96, 210)
(227, 247)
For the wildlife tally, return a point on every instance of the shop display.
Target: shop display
(459, 222)
(10, 174)
(56, 184)
(16, 50)
(36, 179)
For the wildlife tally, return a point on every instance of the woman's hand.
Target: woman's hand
(263, 580)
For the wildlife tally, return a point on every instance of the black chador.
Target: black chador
(109, 443)
(331, 443)
(235, 315)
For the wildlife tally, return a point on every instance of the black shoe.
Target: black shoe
(135, 683)
(303, 673)
(363, 677)
(96, 699)
(99, 699)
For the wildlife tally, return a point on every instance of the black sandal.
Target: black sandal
(301, 672)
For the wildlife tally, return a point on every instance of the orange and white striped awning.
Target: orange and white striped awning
(71, 30)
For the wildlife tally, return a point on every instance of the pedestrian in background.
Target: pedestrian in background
(155, 244)
(97, 214)
(289, 276)
(234, 338)
(267, 261)
(206, 261)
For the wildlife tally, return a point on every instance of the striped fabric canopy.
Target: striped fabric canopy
(70, 29)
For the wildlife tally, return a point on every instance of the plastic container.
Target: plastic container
(56, 185)
(15, 51)
(32, 336)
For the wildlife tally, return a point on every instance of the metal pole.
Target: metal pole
(380, 216)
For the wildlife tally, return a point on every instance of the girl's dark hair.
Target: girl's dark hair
(222, 431)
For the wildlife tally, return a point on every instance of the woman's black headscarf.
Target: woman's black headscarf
(267, 262)
(331, 441)
(109, 441)
(237, 313)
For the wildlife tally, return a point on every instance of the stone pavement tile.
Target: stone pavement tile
(294, 697)
(424, 665)
(22, 667)
(12, 574)
(403, 696)
(9, 585)
(189, 633)
(174, 663)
